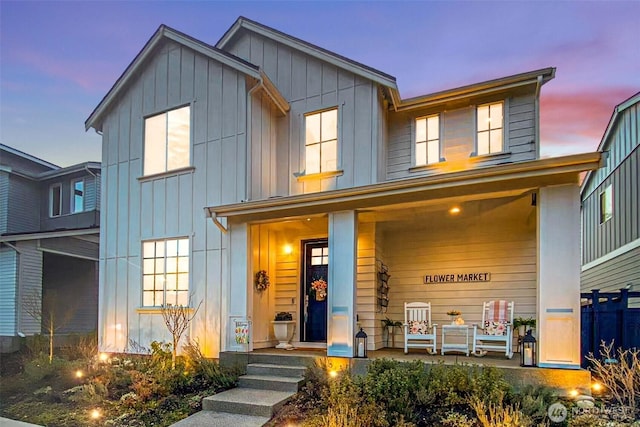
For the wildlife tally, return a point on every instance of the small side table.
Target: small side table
(450, 331)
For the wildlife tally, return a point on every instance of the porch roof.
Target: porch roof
(523, 175)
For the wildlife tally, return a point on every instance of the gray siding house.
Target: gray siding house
(266, 155)
(49, 234)
(610, 206)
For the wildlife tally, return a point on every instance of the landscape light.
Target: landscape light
(333, 374)
(95, 414)
(104, 357)
(574, 393)
(79, 374)
(596, 386)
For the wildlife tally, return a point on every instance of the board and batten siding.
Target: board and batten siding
(8, 291)
(170, 205)
(506, 250)
(4, 200)
(624, 226)
(312, 85)
(458, 136)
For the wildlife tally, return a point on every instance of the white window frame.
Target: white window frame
(145, 143)
(51, 189)
(606, 204)
(321, 142)
(503, 127)
(415, 142)
(149, 286)
(73, 196)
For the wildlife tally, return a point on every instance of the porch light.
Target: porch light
(454, 210)
(288, 249)
(361, 344)
(528, 350)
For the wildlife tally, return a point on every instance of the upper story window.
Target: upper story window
(606, 205)
(490, 125)
(321, 142)
(167, 141)
(427, 140)
(165, 272)
(77, 196)
(55, 200)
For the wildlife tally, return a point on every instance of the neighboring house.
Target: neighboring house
(610, 207)
(266, 152)
(49, 235)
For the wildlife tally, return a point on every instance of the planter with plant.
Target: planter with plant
(522, 325)
(390, 325)
(283, 328)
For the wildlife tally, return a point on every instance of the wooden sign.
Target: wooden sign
(432, 279)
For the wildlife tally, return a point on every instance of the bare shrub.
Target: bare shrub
(619, 372)
(177, 319)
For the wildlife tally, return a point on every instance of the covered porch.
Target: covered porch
(517, 225)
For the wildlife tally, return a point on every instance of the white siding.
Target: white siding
(30, 283)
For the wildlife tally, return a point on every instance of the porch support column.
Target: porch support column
(341, 302)
(559, 277)
(235, 295)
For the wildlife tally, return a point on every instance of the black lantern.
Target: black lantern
(528, 350)
(361, 344)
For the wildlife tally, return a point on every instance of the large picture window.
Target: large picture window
(77, 196)
(490, 128)
(55, 200)
(606, 205)
(427, 140)
(321, 142)
(165, 272)
(167, 141)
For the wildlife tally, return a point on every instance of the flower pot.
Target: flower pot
(283, 331)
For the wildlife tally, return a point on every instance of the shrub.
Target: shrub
(498, 415)
(39, 368)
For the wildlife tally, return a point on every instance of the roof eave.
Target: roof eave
(546, 171)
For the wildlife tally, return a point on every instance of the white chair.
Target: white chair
(496, 331)
(419, 332)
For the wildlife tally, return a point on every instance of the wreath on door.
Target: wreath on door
(261, 281)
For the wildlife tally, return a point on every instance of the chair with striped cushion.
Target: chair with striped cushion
(419, 332)
(496, 331)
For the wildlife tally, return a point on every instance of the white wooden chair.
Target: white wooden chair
(419, 332)
(496, 331)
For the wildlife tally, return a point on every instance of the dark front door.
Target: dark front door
(314, 290)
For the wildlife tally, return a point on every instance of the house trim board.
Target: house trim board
(611, 255)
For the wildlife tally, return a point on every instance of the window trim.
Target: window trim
(144, 136)
(414, 141)
(505, 129)
(73, 196)
(51, 187)
(158, 308)
(601, 205)
(338, 169)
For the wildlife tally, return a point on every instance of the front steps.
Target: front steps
(271, 380)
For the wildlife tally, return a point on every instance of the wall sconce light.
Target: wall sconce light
(454, 210)
(288, 249)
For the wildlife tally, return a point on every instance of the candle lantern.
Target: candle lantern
(528, 350)
(361, 344)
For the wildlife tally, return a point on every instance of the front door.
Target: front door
(314, 290)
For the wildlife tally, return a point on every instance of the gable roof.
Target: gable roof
(606, 141)
(318, 52)
(29, 157)
(164, 32)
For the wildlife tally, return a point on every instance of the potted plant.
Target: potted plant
(283, 329)
(522, 324)
(390, 324)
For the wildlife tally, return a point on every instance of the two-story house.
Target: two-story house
(49, 235)
(610, 200)
(265, 152)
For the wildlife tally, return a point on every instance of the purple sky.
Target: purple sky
(58, 59)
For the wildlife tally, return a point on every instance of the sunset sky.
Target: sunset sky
(58, 59)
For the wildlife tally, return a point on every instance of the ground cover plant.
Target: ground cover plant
(79, 388)
(395, 393)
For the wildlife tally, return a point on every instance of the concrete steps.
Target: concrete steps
(271, 380)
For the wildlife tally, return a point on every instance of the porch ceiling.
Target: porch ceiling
(510, 179)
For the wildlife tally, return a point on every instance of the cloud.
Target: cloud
(574, 121)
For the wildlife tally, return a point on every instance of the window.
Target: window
(77, 198)
(55, 200)
(167, 141)
(606, 205)
(427, 140)
(321, 142)
(320, 256)
(165, 272)
(489, 123)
